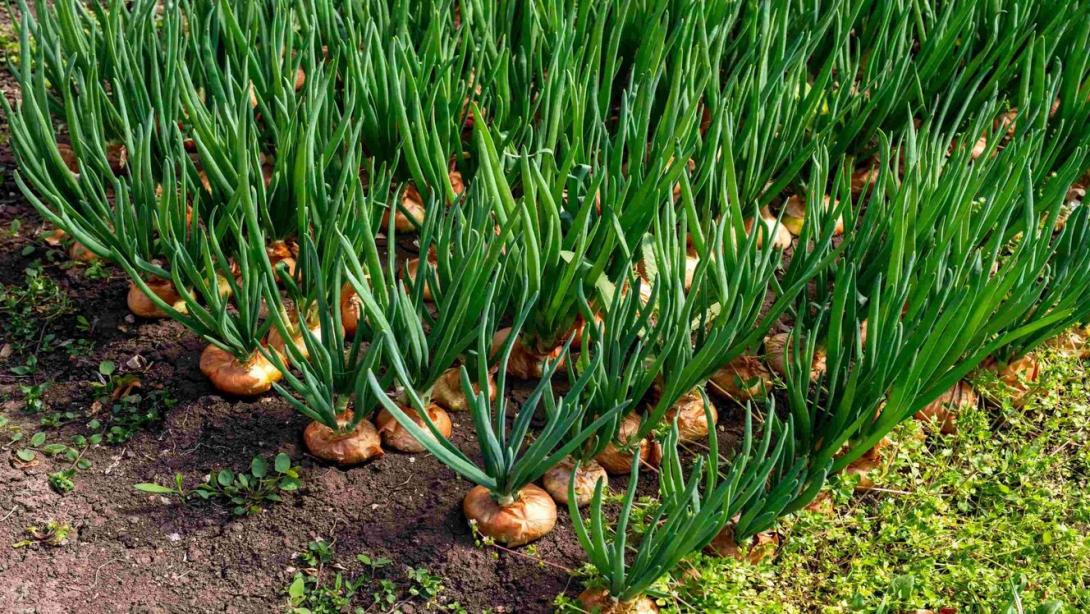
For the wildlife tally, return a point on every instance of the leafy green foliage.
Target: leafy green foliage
(244, 492)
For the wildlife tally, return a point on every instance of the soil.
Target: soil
(130, 551)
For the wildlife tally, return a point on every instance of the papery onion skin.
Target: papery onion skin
(356, 446)
(142, 306)
(619, 462)
(524, 363)
(781, 237)
(397, 437)
(762, 545)
(741, 379)
(600, 601)
(557, 480)
(448, 394)
(230, 376)
(529, 517)
(945, 409)
(692, 422)
(78, 252)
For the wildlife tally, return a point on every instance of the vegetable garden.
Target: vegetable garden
(651, 275)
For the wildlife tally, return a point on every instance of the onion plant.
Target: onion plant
(689, 514)
(504, 505)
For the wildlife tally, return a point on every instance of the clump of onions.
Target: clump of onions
(514, 520)
(944, 410)
(692, 422)
(761, 546)
(525, 363)
(776, 347)
(618, 459)
(142, 306)
(243, 378)
(794, 214)
(397, 437)
(599, 600)
(448, 393)
(741, 379)
(558, 479)
(781, 238)
(344, 447)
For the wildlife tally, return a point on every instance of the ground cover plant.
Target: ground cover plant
(717, 255)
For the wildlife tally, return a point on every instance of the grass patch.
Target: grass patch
(992, 519)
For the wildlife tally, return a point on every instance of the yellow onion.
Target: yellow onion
(280, 252)
(232, 376)
(616, 460)
(448, 394)
(557, 479)
(794, 215)
(276, 342)
(743, 378)
(140, 305)
(411, 267)
(692, 423)
(775, 347)
(1073, 343)
(351, 309)
(761, 546)
(413, 205)
(529, 515)
(397, 437)
(781, 238)
(599, 600)
(524, 363)
(945, 409)
(78, 252)
(1018, 374)
(344, 448)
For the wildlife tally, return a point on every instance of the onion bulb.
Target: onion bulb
(78, 252)
(141, 305)
(343, 447)
(945, 409)
(524, 362)
(397, 437)
(761, 546)
(230, 375)
(351, 309)
(523, 518)
(411, 267)
(280, 252)
(618, 461)
(781, 238)
(276, 342)
(794, 215)
(599, 600)
(743, 378)
(692, 423)
(557, 480)
(778, 345)
(1017, 374)
(448, 394)
(1074, 343)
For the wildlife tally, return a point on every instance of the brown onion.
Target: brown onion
(781, 238)
(413, 205)
(1074, 343)
(344, 448)
(741, 379)
(692, 423)
(351, 309)
(528, 516)
(448, 394)
(945, 409)
(557, 480)
(78, 252)
(281, 252)
(1017, 374)
(599, 600)
(411, 267)
(761, 546)
(232, 376)
(524, 363)
(777, 345)
(618, 461)
(794, 215)
(141, 305)
(397, 437)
